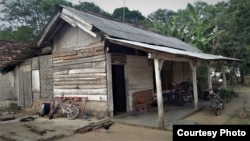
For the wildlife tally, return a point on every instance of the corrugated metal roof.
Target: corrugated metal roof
(126, 31)
(196, 55)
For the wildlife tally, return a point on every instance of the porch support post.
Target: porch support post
(159, 93)
(193, 65)
(209, 79)
(224, 76)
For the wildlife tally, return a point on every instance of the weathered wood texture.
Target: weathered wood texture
(81, 72)
(182, 72)
(79, 67)
(7, 88)
(139, 74)
(24, 84)
(69, 38)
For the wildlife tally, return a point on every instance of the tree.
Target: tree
(163, 21)
(28, 17)
(91, 7)
(239, 39)
(133, 17)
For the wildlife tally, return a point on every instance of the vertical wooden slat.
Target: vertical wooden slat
(109, 83)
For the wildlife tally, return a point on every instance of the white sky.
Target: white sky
(144, 6)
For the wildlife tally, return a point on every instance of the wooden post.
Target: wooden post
(224, 77)
(110, 90)
(209, 79)
(159, 93)
(193, 67)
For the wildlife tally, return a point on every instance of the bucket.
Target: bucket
(45, 108)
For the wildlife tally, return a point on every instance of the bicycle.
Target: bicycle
(216, 102)
(243, 113)
(71, 110)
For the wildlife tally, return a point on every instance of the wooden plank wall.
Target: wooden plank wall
(80, 73)
(79, 67)
(182, 72)
(139, 75)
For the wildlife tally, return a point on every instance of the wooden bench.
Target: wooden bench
(143, 99)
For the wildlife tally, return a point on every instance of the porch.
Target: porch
(173, 113)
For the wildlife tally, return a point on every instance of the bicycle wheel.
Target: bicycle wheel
(74, 113)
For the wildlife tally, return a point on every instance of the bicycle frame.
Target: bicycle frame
(216, 103)
(70, 110)
(66, 108)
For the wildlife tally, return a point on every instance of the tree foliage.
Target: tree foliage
(222, 28)
(27, 17)
(92, 8)
(124, 14)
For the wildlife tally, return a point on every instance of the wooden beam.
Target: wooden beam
(71, 15)
(74, 23)
(159, 94)
(98, 97)
(68, 20)
(86, 30)
(161, 62)
(102, 91)
(169, 57)
(48, 28)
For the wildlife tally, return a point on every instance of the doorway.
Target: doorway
(119, 91)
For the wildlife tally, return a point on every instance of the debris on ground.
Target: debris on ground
(6, 118)
(93, 126)
(35, 129)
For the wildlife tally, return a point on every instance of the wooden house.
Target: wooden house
(108, 61)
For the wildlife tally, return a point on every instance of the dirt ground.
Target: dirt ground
(121, 132)
(127, 132)
(205, 116)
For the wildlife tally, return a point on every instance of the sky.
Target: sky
(144, 6)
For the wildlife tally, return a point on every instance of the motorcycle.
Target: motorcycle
(216, 101)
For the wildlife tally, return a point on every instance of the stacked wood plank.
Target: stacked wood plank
(81, 72)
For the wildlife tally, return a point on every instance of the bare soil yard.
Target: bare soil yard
(124, 132)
